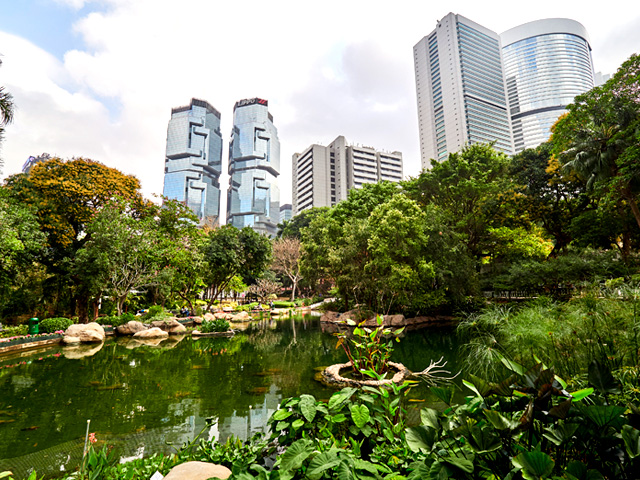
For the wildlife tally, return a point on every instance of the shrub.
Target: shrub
(51, 325)
(281, 304)
(217, 325)
(153, 311)
(14, 331)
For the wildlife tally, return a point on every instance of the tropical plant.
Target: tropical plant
(50, 325)
(218, 325)
(369, 350)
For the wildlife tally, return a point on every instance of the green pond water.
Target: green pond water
(143, 399)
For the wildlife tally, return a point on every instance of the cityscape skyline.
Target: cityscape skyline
(80, 90)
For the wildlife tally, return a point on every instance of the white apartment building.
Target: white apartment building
(323, 176)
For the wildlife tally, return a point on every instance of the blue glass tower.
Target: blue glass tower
(193, 161)
(253, 198)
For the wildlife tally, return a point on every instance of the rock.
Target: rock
(395, 320)
(330, 317)
(209, 316)
(198, 471)
(153, 332)
(77, 351)
(241, 317)
(358, 315)
(145, 342)
(130, 328)
(223, 316)
(87, 333)
(197, 320)
(169, 326)
(70, 340)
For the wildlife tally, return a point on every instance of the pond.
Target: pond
(145, 399)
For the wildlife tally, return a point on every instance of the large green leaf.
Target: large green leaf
(510, 364)
(534, 465)
(603, 415)
(601, 378)
(308, 407)
(281, 414)
(296, 454)
(339, 399)
(580, 394)
(444, 394)
(560, 433)
(498, 421)
(631, 438)
(577, 470)
(464, 464)
(420, 438)
(484, 440)
(360, 415)
(429, 418)
(321, 463)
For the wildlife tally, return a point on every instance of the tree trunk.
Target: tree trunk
(628, 196)
(293, 290)
(120, 303)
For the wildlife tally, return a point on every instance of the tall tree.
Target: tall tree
(67, 195)
(286, 260)
(599, 138)
(228, 252)
(6, 114)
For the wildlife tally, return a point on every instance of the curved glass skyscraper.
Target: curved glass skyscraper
(546, 64)
(253, 198)
(193, 161)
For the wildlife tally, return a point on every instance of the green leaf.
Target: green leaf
(498, 421)
(338, 400)
(360, 415)
(308, 407)
(281, 426)
(429, 417)
(5, 474)
(339, 418)
(420, 438)
(577, 470)
(460, 463)
(444, 394)
(296, 454)
(389, 434)
(603, 415)
(560, 433)
(631, 438)
(510, 364)
(281, 415)
(321, 463)
(534, 465)
(471, 387)
(484, 440)
(580, 394)
(600, 377)
(297, 423)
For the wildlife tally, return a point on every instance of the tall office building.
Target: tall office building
(193, 161)
(460, 89)
(323, 176)
(253, 198)
(546, 63)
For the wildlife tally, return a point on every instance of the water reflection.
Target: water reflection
(149, 398)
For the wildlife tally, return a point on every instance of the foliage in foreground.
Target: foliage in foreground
(526, 426)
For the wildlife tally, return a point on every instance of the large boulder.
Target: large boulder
(153, 332)
(395, 320)
(84, 333)
(209, 316)
(241, 317)
(130, 328)
(170, 326)
(330, 317)
(198, 471)
(223, 315)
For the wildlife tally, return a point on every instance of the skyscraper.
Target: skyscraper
(193, 161)
(253, 198)
(546, 63)
(460, 89)
(323, 176)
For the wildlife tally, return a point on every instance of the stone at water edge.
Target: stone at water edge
(130, 328)
(87, 333)
(154, 332)
(198, 471)
(209, 317)
(170, 326)
(241, 317)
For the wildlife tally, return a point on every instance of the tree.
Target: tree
(123, 253)
(21, 244)
(293, 228)
(66, 196)
(265, 289)
(468, 186)
(228, 252)
(286, 259)
(6, 114)
(599, 138)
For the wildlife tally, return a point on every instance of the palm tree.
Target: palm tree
(6, 114)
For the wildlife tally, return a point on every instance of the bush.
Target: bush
(116, 321)
(153, 311)
(217, 325)
(281, 304)
(14, 331)
(51, 325)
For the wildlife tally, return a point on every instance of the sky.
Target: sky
(97, 79)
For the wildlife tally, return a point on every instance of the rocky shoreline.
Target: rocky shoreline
(339, 320)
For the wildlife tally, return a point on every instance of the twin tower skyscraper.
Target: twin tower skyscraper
(193, 164)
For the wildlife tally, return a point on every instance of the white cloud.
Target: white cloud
(327, 69)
